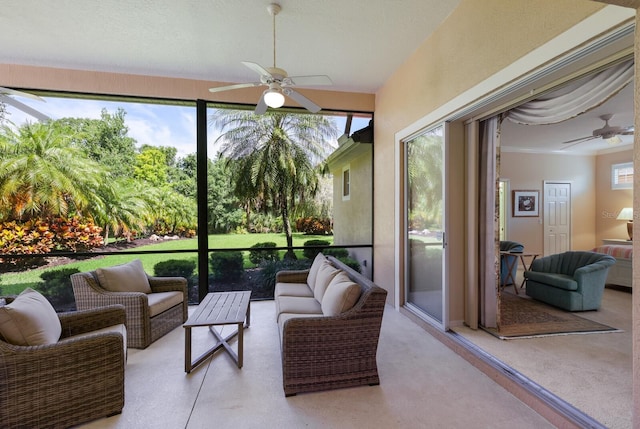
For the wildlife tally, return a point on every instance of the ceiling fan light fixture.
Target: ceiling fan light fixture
(273, 98)
(613, 140)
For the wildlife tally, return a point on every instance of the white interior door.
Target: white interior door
(557, 217)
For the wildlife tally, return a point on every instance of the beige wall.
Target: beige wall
(46, 78)
(526, 171)
(609, 202)
(459, 55)
(353, 220)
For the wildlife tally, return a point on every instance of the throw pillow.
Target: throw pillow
(129, 277)
(326, 273)
(313, 271)
(340, 296)
(30, 320)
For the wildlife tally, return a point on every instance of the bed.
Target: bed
(620, 272)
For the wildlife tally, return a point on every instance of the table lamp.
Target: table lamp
(627, 214)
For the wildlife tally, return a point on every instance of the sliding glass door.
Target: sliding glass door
(425, 220)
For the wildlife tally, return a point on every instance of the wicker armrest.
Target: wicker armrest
(292, 276)
(168, 284)
(79, 322)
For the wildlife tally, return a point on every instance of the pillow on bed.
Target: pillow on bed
(29, 320)
(129, 277)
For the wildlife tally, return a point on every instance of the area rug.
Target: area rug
(523, 317)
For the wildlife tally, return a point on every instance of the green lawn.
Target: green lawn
(13, 283)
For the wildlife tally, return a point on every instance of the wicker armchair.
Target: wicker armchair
(78, 379)
(142, 328)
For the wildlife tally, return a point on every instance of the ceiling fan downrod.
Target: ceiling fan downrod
(274, 9)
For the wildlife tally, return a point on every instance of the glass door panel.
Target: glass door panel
(424, 182)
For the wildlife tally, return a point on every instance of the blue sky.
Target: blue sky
(152, 124)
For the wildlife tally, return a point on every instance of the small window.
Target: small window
(622, 176)
(346, 183)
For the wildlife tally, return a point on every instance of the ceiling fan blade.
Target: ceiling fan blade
(261, 107)
(311, 80)
(257, 68)
(302, 100)
(26, 109)
(236, 86)
(7, 91)
(581, 139)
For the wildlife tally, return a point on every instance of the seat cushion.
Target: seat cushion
(129, 277)
(292, 289)
(298, 305)
(340, 296)
(159, 302)
(30, 320)
(560, 281)
(326, 273)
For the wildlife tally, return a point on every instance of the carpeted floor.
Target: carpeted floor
(521, 316)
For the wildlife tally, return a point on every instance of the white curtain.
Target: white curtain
(574, 98)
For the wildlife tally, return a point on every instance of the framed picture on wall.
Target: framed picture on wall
(526, 203)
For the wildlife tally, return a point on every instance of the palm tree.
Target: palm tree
(121, 206)
(275, 156)
(42, 174)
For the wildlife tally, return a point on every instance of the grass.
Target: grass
(14, 283)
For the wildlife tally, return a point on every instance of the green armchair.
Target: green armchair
(573, 281)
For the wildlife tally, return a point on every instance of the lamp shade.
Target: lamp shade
(273, 98)
(626, 214)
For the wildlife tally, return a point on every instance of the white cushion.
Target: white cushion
(292, 289)
(159, 302)
(129, 277)
(313, 271)
(341, 295)
(29, 320)
(326, 273)
(298, 305)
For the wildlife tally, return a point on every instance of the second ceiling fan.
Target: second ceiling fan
(608, 133)
(277, 80)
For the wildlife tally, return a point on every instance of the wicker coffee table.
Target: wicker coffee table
(220, 308)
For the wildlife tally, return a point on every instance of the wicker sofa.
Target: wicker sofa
(322, 346)
(149, 315)
(72, 381)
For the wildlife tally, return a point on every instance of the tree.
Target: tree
(274, 157)
(105, 140)
(151, 166)
(121, 207)
(43, 175)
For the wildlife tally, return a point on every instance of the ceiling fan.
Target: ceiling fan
(5, 94)
(608, 133)
(277, 80)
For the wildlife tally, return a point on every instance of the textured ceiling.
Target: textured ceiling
(357, 43)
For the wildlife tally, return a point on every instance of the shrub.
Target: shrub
(175, 268)
(268, 252)
(350, 262)
(56, 286)
(314, 225)
(312, 253)
(337, 252)
(266, 280)
(227, 265)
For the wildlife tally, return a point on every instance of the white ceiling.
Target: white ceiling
(358, 43)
